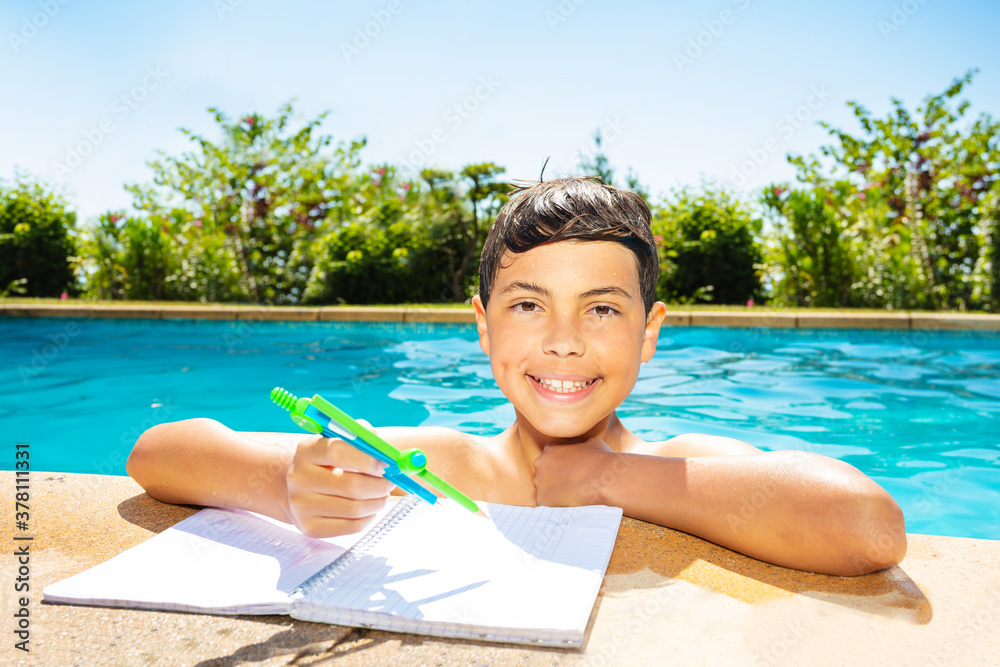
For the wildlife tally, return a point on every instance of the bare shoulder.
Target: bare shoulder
(694, 444)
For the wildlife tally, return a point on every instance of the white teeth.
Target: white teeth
(563, 386)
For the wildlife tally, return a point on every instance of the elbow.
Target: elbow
(154, 455)
(876, 538)
(141, 464)
(887, 539)
(862, 527)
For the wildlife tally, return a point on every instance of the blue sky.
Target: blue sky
(684, 92)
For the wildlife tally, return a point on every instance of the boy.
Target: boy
(566, 312)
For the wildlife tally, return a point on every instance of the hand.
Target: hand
(334, 488)
(571, 475)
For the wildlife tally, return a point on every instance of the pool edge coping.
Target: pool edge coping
(830, 319)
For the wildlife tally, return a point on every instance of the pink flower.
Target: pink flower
(114, 217)
(64, 296)
(749, 303)
(381, 171)
(197, 223)
(862, 195)
(658, 238)
(778, 190)
(406, 186)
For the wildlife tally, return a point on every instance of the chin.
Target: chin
(564, 431)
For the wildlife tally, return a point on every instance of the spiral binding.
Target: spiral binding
(360, 548)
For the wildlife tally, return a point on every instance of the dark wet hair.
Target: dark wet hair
(582, 209)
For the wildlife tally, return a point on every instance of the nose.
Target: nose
(563, 337)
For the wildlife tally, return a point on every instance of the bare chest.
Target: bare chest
(498, 480)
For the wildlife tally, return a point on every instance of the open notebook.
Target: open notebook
(524, 575)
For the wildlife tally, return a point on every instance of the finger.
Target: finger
(342, 483)
(315, 520)
(336, 507)
(367, 424)
(335, 453)
(391, 486)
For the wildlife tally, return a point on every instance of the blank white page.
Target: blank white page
(526, 574)
(218, 560)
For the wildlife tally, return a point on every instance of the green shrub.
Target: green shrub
(126, 259)
(365, 264)
(709, 251)
(811, 261)
(37, 249)
(409, 241)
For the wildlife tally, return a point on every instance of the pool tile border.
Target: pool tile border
(726, 318)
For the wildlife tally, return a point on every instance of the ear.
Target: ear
(484, 334)
(652, 332)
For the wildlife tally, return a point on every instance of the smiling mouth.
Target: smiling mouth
(563, 386)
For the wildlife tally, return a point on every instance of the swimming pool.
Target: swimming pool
(917, 411)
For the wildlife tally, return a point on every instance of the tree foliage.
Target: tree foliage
(709, 249)
(257, 199)
(37, 246)
(416, 241)
(276, 212)
(811, 260)
(128, 258)
(904, 214)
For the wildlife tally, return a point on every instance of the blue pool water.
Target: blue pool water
(916, 411)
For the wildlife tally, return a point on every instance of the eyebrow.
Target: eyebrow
(601, 291)
(524, 286)
(535, 288)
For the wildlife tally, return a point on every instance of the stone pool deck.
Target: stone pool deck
(668, 598)
(751, 317)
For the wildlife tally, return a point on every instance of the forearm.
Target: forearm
(794, 509)
(202, 462)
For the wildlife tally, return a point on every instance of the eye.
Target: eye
(525, 307)
(604, 311)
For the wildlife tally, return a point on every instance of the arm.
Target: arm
(795, 509)
(323, 486)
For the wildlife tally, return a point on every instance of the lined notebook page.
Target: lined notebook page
(217, 561)
(527, 575)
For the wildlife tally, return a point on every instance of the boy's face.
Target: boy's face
(565, 331)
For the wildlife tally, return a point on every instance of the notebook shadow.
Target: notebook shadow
(644, 548)
(303, 644)
(311, 644)
(386, 599)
